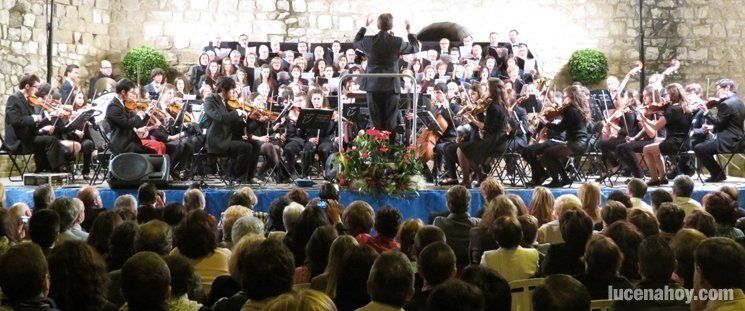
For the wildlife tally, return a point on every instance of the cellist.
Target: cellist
(446, 106)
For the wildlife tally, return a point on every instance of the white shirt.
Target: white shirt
(550, 233)
(640, 204)
(687, 204)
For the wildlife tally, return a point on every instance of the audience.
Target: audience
(91, 198)
(644, 221)
(121, 245)
(510, 260)
(542, 205)
(226, 292)
(78, 277)
(150, 203)
(44, 229)
(496, 290)
(9, 233)
(590, 196)
(684, 243)
(126, 207)
(522, 209)
(352, 283)
(146, 282)
(566, 257)
(358, 218)
(290, 215)
(702, 221)
(183, 279)
(659, 196)
(69, 214)
(195, 238)
(406, 234)
(720, 264)
(603, 261)
(455, 295)
(481, 238)
(193, 200)
(229, 217)
(613, 211)
(43, 197)
(670, 217)
(627, 238)
(637, 189)
(620, 196)
(561, 292)
(387, 220)
(391, 282)
(24, 279)
(529, 226)
(436, 264)
(316, 254)
(311, 218)
(328, 280)
(266, 270)
(101, 231)
(490, 189)
(276, 210)
(724, 211)
(458, 223)
(682, 190)
(174, 213)
(308, 299)
(550, 232)
(244, 226)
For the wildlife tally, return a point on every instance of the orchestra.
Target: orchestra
(485, 100)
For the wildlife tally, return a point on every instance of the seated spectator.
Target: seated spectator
(656, 266)
(458, 223)
(326, 282)
(620, 196)
(91, 198)
(316, 254)
(542, 205)
(550, 232)
(246, 225)
(517, 200)
(183, 279)
(228, 218)
(226, 291)
(724, 211)
(121, 245)
(24, 278)
(68, 213)
(310, 219)
(436, 264)
(406, 234)
(154, 236)
(351, 286)
(101, 230)
(298, 195)
(637, 189)
(702, 221)
(644, 221)
(455, 295)
(682, 190)
(44, 228)
(328, 191)
(387, 220)
(301, 300)
(146, 282)
(561, 292)
(276, 209)
(684, 244)
(76, 228)
(510, 260)
(78, 277)
(391, 282)
(126, 207)
(22, 213)
(671, 219)
(193, 200)
(174, 213)
(195, 238)
(602, 261)
(266, 270)
(529, 226)
(9, 224)
(496, 290)
(480, 238)
(151, 204)
(490, 189)
(613, 211)
(358, 218)
(566, 258)
(290, 215)
(591, 198)
(627, 238)
(43, 197)
(720, 264)
(659, 196)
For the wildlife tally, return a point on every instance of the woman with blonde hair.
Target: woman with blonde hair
(326, 281)
(550, 232)
(405, 237)
(304, 300)
(590, 196)
(481, 237)
(542, 205)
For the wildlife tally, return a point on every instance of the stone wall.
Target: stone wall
(704, 35)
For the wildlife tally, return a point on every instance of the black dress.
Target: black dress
(495, 128)
(677, 125)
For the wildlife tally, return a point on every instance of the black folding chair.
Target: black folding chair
(740, 149)
(13, 156)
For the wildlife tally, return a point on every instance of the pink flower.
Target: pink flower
(383, 149)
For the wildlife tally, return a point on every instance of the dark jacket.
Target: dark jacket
(39, 303)
(20, 126)
(664, 305)
(598, 287)
(562, 259)
(220, 123)
(122, 123)
(479, 241)
(383, 51)
(65, 89)
(728, 123)
(456, 228)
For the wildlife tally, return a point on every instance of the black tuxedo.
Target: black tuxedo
(65, 89)
(383, 51)
(728, 127)
(152, 92)
(220, 137)
(22, 137)
(122, 123)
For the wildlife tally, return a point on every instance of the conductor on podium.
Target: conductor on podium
(383, 51)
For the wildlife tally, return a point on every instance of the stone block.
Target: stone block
(87, 39)
(16, 20)
(227, 5)
(700, 54)
(17, 47)
(180, 42)
(246, 6)
(102, 4)
(317, 6)
(266, 5)
(26, 34)
(702, 31)
(71, 11)
(346, 23)
(269, 27)
(14, 34)
(283, 5)
(178, 5)
(4, 17)
(325, 22)
(299, 5)
(198, 4)
(162, 16)
(28, 20)
(97, 29)
(102, 42)
(81, 49)
(152, 29)
(163, 43)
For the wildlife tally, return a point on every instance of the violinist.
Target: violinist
(219, 138)
(638, 136)
(293, 138)
(124, 121)
(676, 119)
(259, 129)
(72, 74)
(727, 125)
(178, 147)
(318, 141)
(492, 138)
(81, 136)
(446, 106)
(57, 121)
(616, 127)
(575, 116)
(699, 130)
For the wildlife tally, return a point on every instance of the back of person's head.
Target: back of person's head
(656, 259)
(90, 197)
(637, 188)
(561, 292)
(145, 281)
(659, 196)
(517, 200)
(266, 270)
(387, 220)
(154, 236)
(458, 199)
(355, 270)
(644, 221)
(671, 217)
(529, 225)
(299, 196)
(290, 215)
(174, 213)
(407, 236)
(147, 194)
(391, 279)
(246, 225)
(23, 272)
(491, 188)
(628, 238)
(496, 290)
(684, 244)
(101, 230)
(276, 210)
(193, 200)
(328, 191)
(318, 248)
(78, 275)
(126, 202)
(196, 236)
(721, 207)
(455, 295)
(507, 232)
(182, 274)
(731, 191)
(542, 205)
(682, 186)
(603, 258)
(564, 203)
(122, 241)
(43, 197)
(427, 235)
(230, 216)
(613, 211)
(305, 300)
(620, 196)
(576, 228)
(44, 228)
(590, 196)
(702, 221)
(65, 208)
(385, 22)
(358, 218)
(249, 194)
(721, 263)
(436, 263)
(500, 206)
(240, 198)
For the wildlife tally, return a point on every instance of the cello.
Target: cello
(427, 140)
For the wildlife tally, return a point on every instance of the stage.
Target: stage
(419, 205)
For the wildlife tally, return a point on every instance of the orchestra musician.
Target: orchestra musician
(57, 122)
(72, 74)
(727, 125)
(446, 106)
(259, 131)
(575, 116)
(220, 140)
(82, 136)
(618, 125)
(320, 141)
(177, 146)
(210, 76)
(644, 136)
(699, 132)
(676, 119)
(124, 121)
(105, 70)
(294, 139)
(153, 88)
(197, 71)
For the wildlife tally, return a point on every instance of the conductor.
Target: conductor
(383, 50)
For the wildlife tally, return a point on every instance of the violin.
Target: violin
(35, 101)
(174, 109)
(712, 102)
(553, 112)
(136, 105)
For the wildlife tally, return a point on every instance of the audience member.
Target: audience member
(620, 196)
(266, 270)
(316, 254)
(550, 232)
(91, 198)
(9, 233)
(436, 264)
(591, 198)
(121, 245)
(311, 218)
(246, 225)
(308, 299)
(613, 211)
(627, 237)
(724, 211)
(183, 279)
(276, 209)
(644, 221)
(455, 295)
(146, 282)
(43, 197)
(150, 203)
(406, 235)
(659, 196)
(154, 236)
(561, 292)
(602, 265)
(24, 278)
(126, 207)
(358, 218)
(566, 257)
(490, 189)
(351, 286)
(458, 223)
(391, 282)
(542, 205)
(670, 217)
(702, 221)
(68, 214)
(637, 189)
(290, 215)
(226, 293)
(387, 220)
(78, 277)
(720, 264)
(529, 226)
(44, 228)
(174, 213)
(496, 290)
(21, 213)
(480, 238)
(101, 231)
(195, 238)
(682, 190)
(510, 260)
(684, 244)
(327, 281)
(520, 206)
(299, 196)
(328, 191)
(193, 200)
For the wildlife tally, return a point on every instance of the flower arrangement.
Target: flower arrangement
(373, 165)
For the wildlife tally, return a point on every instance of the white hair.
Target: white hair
(246, 225)
(291, 214)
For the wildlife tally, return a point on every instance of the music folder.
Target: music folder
(79, 121)
(314, 119)
(428, 119)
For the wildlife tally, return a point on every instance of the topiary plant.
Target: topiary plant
(587, 66)
(144, 59)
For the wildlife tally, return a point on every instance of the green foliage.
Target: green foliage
(587, 66)
(147, 58)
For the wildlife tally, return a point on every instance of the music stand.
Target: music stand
(79, 122)
(428, 119)
(314, 119)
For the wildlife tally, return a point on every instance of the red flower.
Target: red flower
(354, 148)
(383, 149)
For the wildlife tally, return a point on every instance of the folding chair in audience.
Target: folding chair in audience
(13, 157)
(522, 293)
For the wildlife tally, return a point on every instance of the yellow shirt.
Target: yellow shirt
(512, 264)
(736, 304)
